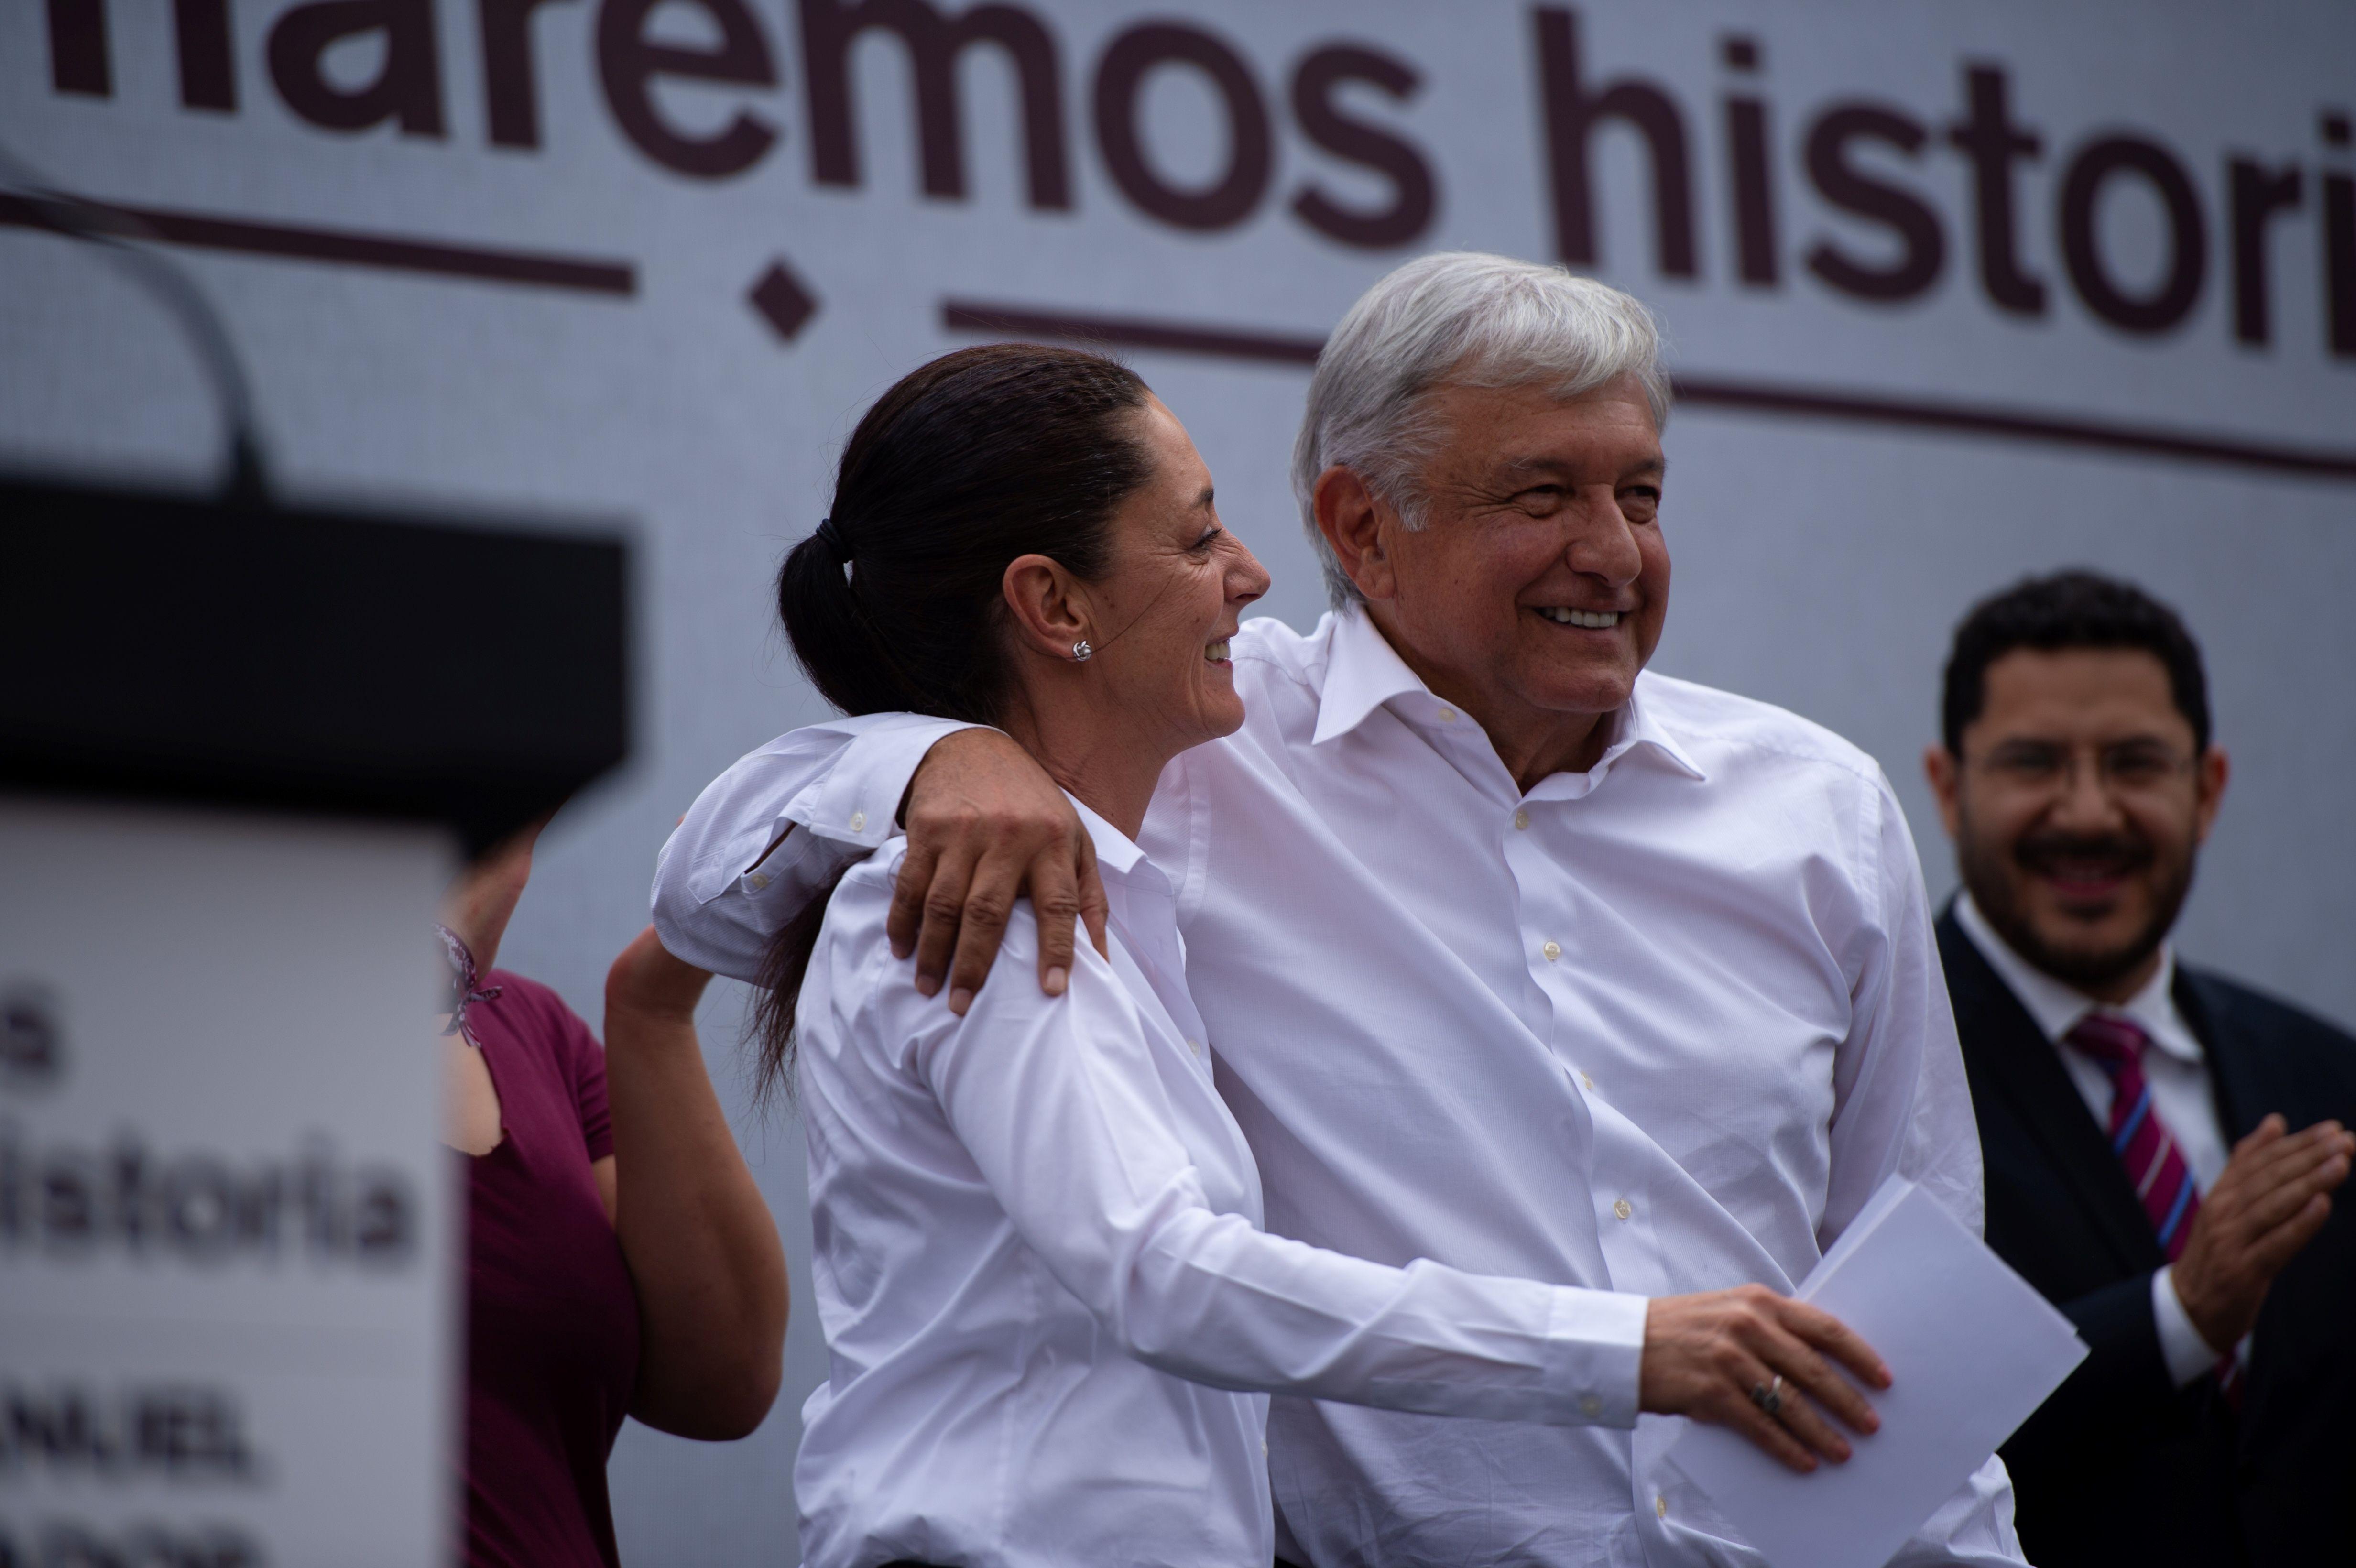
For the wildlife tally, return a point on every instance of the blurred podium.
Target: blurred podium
(242, 748)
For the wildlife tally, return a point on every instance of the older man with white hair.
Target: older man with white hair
(1512, 954)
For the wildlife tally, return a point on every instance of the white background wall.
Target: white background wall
(1819, 564)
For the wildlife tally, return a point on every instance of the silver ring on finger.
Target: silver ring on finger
(1769, 1396)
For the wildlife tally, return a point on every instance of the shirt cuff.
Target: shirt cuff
(1595, 1347)
(2188, 1355)
(857, 801)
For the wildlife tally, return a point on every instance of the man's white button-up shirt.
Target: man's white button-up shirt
(1024, 1218)
(1745, 973)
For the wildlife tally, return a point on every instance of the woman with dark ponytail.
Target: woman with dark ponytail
(1053, 1319)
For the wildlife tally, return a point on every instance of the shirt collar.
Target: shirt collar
(2056, 1007)
(1117, 856)
(1639, 725)
(1362, 672)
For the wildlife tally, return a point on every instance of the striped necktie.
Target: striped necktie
(2146, 1149)
(2139, 1139)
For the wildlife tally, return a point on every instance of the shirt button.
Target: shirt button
(1660, 1508)
(757, 880)
(1263, 1447)
(1589, 1406)
(1587, 1083)
(1448, 716)
(1521, 820)
(858, 820)
(1624, 1207)
(1195, 1046)
(1553, 950)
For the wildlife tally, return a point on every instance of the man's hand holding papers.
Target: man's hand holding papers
(1708, 1356)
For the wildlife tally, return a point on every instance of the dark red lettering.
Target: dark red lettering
(1994, 144)
(2096, 165)
(510, 84)
(208, 67)
(627, 65)
(1752, 180)
(934, 42)
(2340, 262)
(1571, 115)
(408, 86)
(1315, 84)
(2258, 193)
(2339, 201)
(80, 60)
(1923, 245)
(1128, 60)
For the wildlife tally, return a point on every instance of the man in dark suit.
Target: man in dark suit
(2160, 1143)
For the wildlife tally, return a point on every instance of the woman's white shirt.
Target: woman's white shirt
(1033, 1224)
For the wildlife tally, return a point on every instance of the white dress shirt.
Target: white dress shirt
(1660, 1027)
(1010, 1207)
(2177, 1073)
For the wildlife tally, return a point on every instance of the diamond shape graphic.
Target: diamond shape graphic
(782, 301)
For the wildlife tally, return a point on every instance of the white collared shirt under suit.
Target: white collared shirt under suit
(2178, 1072)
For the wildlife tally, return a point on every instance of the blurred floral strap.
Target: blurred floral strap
(464, 991)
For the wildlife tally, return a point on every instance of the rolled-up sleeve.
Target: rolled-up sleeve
(736, 871)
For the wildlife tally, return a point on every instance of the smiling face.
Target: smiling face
(2078, 807)
(1175, 594)
(1156, 618)
(1536, 588)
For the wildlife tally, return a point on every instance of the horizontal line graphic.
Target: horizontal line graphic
(1876, 408)
(349, 247)
(1228, 343)
(1701, 391)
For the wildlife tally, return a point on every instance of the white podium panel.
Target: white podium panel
(228, 1246)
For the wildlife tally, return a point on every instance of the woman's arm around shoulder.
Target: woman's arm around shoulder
(1060, 1105)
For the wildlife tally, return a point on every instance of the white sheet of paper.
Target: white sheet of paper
(1972, 1349)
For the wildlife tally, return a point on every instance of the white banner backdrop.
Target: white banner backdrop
(1955, 294)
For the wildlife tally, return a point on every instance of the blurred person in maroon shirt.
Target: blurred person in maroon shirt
(591, 1296)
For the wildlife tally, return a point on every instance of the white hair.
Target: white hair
(1464, 319)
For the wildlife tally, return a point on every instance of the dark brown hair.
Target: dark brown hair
(2076, 609)
(893, 604)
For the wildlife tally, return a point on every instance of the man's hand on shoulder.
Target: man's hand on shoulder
(987, 826)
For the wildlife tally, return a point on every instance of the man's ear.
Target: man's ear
(1048, 606)
(1351, 518)
(1945, 773)
(2209, 774)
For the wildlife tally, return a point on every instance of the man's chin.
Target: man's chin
(1586, 690)
(2090, 945)
(2095, 967)
(2092, 934)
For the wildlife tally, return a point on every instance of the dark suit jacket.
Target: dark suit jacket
(2120, 1467)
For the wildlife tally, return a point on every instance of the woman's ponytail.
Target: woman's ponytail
(832, 640)
(894, 603)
